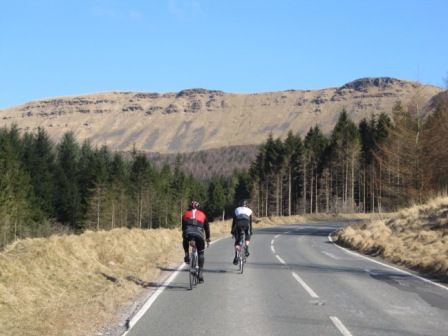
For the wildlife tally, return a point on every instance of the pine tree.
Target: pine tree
(16, 192)
(315, 145)
(140, 187)
(216, 198)
(345, 146)
(67, 196)
(293, 160)
(39, 161)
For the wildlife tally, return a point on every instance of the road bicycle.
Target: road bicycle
(241, 252)
(193, 270)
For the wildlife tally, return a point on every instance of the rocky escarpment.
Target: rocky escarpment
(197, 119)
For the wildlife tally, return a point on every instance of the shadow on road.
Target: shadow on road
(146, 284)
(309, 229)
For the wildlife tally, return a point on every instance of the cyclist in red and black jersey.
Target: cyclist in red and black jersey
(194, 227)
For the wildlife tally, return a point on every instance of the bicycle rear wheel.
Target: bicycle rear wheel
(242, 257)
(240, 262)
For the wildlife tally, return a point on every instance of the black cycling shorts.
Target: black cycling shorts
(239, 228)
(196, 235)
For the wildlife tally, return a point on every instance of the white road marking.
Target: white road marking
(280, 259)
(272, 249)
(330, 255)
(156, 294)
(277, 236)
(386, 265)
(152, 299)
(272, 242)
(340, 326)
(304, 285)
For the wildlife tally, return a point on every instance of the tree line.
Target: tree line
(71, 187)
(382, 164)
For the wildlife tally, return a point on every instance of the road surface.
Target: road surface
(296, 282)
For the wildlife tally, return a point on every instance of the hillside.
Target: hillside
(211, 162)
(199, 119)
(416, 237)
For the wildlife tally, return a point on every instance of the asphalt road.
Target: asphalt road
(296, 282)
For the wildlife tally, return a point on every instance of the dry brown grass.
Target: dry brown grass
(65, 284)
(416, 237)
(72, 285)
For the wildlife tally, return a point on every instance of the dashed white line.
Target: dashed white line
(305, 286)
(272, 249)
(277, 236)
(340, 326)
(272, 241)
(280, 259)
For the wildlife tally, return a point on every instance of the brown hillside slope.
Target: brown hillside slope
(207, 163)
(199, 119)
(416, 237)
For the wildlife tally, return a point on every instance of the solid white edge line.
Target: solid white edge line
(340, 326)
(153, 298)
(305, 286)
(331, 255)
(386, 265)
(132, 322)
(280, 259)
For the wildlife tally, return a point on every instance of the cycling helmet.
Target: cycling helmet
(243, 203)
(194, 205)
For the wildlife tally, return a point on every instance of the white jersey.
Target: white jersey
(243, 213)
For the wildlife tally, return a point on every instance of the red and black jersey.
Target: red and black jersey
(196, 218)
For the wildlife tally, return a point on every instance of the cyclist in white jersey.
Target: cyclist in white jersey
(242, 221)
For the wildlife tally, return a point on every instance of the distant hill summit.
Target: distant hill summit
(200, 119)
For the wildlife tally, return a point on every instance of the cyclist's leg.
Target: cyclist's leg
(237, 242)
(200, 245)
(185, 245)
(246, 232)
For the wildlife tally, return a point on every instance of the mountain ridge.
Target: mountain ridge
(199, 119)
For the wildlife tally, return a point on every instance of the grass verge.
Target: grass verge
(416, 237)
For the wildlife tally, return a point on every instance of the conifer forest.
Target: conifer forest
(381, 164)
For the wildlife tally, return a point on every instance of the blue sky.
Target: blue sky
(52, 48)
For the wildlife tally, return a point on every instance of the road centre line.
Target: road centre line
(340, 326)
(305, 286)
(280, 259)
(386, 265)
